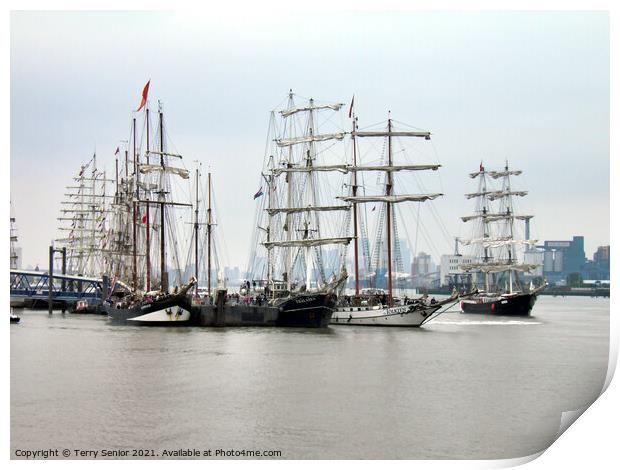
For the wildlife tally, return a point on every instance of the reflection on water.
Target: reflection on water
(460, 387)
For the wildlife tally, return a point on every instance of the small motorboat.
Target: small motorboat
(14, 318)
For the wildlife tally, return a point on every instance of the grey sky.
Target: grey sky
(530, 87)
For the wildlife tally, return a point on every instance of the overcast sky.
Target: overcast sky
(529, 87)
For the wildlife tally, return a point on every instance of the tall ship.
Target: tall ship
(375, 305)
(495, 245)
(82, 221)
(298, 252)
(142, 249)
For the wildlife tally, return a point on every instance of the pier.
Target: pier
(31, 289)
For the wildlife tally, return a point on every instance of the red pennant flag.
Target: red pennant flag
(145, 95)
(143, 220)
(351, 107)
(481, 167)
(117, 150)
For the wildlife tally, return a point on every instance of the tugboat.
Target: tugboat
(495, 248)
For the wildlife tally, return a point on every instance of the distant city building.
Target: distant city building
(562, 258)
(232, 275)
(423, 270)
(405, 253)
(598, 268)
(450, 269)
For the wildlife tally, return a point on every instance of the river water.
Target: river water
(463, 386)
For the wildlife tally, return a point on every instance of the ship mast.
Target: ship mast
(209, 224)
(148, 209)
(135, 212)
(196, 231)
(162, 246)
(485, 223)
(289, 203)
(388, 219)
(14, 256)
(354, 194)
(389, 198)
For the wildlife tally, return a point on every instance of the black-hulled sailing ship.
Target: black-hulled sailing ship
(144, 229)
(495, 247)
(374, 306)
(298, 217)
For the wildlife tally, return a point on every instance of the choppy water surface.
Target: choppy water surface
(461, 387)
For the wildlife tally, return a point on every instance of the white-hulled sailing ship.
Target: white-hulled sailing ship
(373, 306)
(143, 238)
(82, 222)
(495, 247)
(298, 218)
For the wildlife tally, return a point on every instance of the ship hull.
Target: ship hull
(159, 309)
(306, 310)
(515, 305)
(406, 315)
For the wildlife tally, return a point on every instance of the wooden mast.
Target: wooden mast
(355, 243)
(389, 215)
(162, 247)
(135, 203)
(209, 236)
(148, 210)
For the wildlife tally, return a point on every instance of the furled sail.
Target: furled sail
(499, 174)
(301, 169)
(309, 242)
(425, 134)
(393, 167)
(291, 111)
(493, 195)
(309, 138)
(496, 174)
(498, 267)
(293, 210)
(490, 217)
(497, 242)
(390, 199)
(182, 172)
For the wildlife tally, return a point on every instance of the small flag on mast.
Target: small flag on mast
(143, 220)
(351, 107)
(117, 150)
(481, 167)
(145, 95)
(373, 208)
(259, 193)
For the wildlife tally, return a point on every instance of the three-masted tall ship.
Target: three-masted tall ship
(495, 247)
(83, 223)
(298, 260)
(374, 306)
